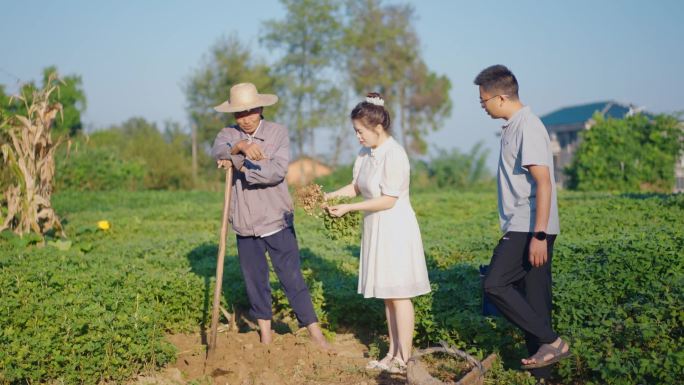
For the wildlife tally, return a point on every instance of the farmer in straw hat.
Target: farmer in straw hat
(261, 210)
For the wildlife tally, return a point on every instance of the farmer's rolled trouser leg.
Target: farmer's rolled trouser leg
(254, 267)
(284, 252)
(510, 264)
(537, 286)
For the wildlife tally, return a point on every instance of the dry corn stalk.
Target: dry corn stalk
(30, 157)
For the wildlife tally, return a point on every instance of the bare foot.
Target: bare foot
(265, 331)
(266, 336)
(318, 338)
(547, 354)
(323, 344)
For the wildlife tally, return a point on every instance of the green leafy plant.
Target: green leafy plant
(637, 153)
(98, 310)
(91, 168)
(346, 227)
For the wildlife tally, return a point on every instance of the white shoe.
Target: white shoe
(379, 365)
(397, 365)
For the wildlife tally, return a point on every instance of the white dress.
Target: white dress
(392, 263)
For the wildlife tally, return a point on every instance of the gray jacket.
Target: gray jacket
(260, 202)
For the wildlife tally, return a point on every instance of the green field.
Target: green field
(97, 306)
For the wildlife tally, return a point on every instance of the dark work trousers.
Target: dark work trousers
(521, 292)
(284, 252)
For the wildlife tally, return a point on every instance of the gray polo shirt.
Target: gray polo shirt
(524, 142)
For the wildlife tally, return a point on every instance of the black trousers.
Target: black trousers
(521, 292)
(284, 252)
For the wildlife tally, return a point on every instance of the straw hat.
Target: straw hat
(243, 97)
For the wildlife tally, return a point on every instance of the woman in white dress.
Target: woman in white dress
(392, 263)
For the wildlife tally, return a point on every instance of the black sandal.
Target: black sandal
(544, 350)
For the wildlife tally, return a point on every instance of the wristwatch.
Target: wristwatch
(539, 235)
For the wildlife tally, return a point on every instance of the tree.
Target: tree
(309, 37)
(71, 96)
(68, 92)
(428, 105)
(379, 47)
(10, 106)
(229, 62)
(164, 155)
(5, 174)
(460, 170)
(455, 169)
(637, 153)
(4, 100)
(384, 55)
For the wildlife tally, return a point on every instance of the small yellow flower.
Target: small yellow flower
(103, 225)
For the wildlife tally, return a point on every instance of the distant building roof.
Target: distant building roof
(582, 113)
(304, 169)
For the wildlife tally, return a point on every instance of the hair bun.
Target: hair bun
(372, 112)
(375, 99)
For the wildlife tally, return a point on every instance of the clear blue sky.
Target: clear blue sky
(134, 55)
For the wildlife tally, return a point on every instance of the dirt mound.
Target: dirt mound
(291, 359)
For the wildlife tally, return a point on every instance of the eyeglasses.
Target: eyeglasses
(484, 101)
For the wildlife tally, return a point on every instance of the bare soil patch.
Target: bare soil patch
(240, 359)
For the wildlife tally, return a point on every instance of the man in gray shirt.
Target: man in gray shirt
(528, 214)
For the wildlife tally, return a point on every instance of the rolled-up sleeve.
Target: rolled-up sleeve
(272, 170)
(223, 145)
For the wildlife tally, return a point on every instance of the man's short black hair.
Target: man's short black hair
(499, 79)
